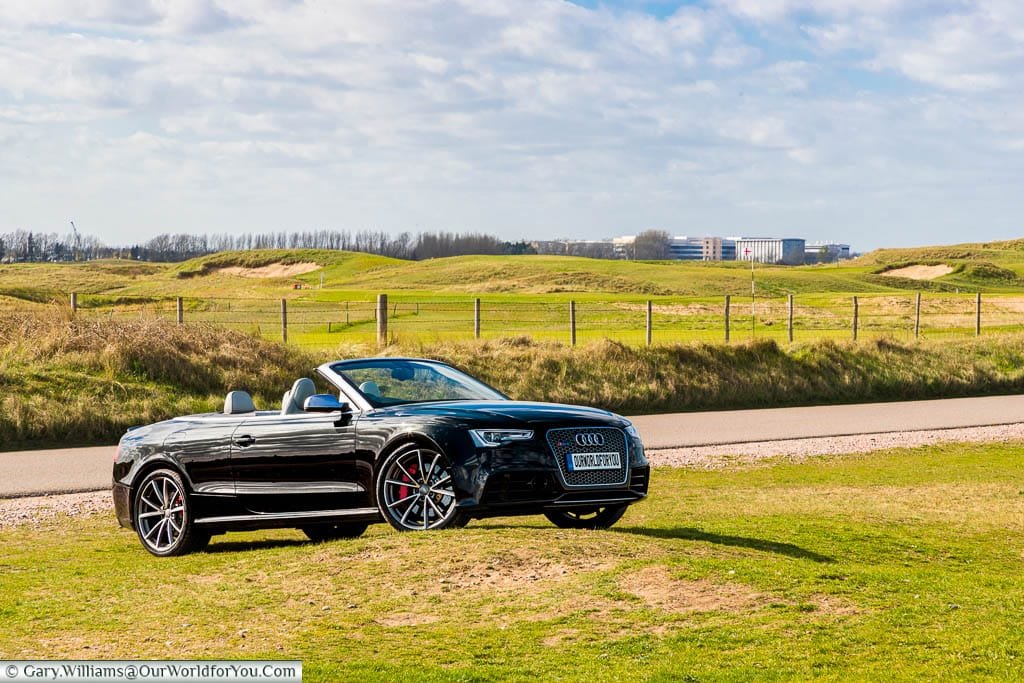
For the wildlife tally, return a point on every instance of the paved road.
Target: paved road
(88, 469)
(24, 473)
(744, 426)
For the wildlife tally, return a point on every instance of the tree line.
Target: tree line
(21, 245)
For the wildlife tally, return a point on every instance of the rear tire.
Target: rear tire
(589, 518)
(333, 532)
(162, 515)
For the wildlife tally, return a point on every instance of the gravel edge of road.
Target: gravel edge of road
(38, 509)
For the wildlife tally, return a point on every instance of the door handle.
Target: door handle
(244, 440)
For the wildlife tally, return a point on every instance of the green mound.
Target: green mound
(38, 295)
(258, 258)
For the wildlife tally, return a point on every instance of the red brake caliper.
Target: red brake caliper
(404, 491)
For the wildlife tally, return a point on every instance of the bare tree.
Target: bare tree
(652, 245)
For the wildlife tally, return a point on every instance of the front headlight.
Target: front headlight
(632, 431)
(490, 438)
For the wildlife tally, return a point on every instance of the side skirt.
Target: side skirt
(277, 520)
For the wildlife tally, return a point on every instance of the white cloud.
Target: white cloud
(530, 118)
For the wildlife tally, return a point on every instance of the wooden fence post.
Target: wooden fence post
(572, 323)
(476, 318)
(917, 316)
(977, 314)
(728, 300)
(74, 302)
(382, 319)
(650, 321)
(790, 318)
(181, 310)
(284, 321)
(856, 317)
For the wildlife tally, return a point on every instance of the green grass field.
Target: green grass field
(434, 300)
(901, 565)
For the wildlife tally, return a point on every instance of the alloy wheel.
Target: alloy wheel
(416, 492)
(161, 513)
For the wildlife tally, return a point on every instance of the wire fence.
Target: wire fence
(318, 323)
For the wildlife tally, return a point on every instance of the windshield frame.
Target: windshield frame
(339, 369)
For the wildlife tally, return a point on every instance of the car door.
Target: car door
(298, 463)
(203, 448)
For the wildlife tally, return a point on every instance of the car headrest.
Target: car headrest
(295, 398)
(370, 388)
(238, 402)
(302, 389)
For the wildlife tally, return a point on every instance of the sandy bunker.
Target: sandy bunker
(270, 270)
(919, 272)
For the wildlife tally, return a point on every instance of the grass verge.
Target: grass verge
(82, 380)
(897, 565)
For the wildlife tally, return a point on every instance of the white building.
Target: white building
(785, 250)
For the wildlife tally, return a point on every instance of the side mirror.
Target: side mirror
(325, 403)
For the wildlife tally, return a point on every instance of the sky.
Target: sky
(870, 122)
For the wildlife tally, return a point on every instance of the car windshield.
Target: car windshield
(386, 382)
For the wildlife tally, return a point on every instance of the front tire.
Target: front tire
(333, 532)
(415, 491)
(590, 518)
(163, 516)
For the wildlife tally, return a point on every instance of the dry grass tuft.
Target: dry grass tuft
(85, 379)
(79, 380)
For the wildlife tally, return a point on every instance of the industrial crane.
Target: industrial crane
(78, 242)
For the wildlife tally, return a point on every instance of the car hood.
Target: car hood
(496, 412)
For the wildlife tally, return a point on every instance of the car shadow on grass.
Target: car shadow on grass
(691, 534)
(761, 544)
(244, 545)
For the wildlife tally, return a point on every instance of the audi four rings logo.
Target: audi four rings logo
(590, 439)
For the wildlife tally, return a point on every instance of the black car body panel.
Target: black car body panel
(268, 469)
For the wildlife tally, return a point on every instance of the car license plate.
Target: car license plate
(594, 461)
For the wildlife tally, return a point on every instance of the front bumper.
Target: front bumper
(518, 491)
(122, 504)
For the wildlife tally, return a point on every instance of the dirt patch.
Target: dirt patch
(656, 587)
(513, 571)
(270, 271)
(559, 637)
(919, 272)
(406, 619)
(832, 605)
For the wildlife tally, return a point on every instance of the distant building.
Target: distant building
(788, 251)
(825, 252)
(728, 250)
(702, 248)
(622, 247)
(791, 251)
(590, 248)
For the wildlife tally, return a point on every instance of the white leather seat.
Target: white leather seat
(296, 397)
(238, 402)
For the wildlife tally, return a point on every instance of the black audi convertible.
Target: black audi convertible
(412, 442)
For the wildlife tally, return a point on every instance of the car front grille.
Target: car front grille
(563, 442)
